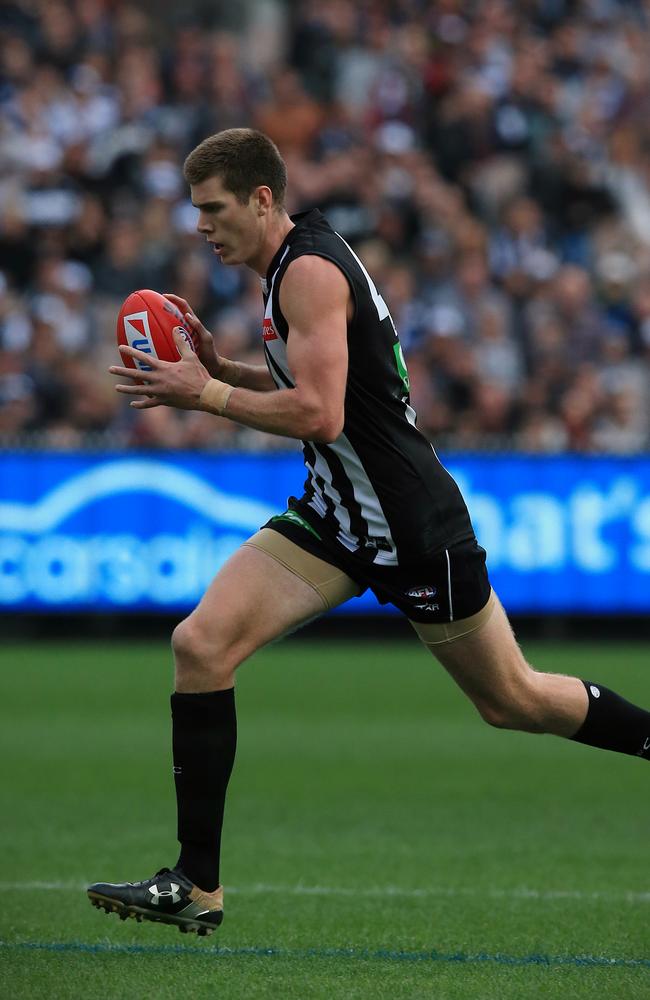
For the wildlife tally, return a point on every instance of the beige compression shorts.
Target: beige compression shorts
(330, 583)
(335, 587)
(436, 634)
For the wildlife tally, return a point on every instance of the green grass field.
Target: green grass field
(381, 841)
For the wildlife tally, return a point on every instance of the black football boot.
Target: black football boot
(168, 897)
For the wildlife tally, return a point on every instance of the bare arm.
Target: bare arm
(233, 372)
(314, 297)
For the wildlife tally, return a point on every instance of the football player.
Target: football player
(378, 511)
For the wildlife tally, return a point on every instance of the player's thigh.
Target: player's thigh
(487, 663)
(267, 588)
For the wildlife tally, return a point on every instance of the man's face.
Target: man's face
(235, 230)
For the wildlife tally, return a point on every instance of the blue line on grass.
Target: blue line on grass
(363, 954)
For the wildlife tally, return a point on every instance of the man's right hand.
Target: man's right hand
(206, 351)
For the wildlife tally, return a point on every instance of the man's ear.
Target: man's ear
(264, 198)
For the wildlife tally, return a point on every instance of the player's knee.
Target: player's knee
(198, 652)
(512, 710)
(497, 714)
(183, 641)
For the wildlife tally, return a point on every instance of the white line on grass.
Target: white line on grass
(380, 892)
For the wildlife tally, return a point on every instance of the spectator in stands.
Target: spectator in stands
(489, 161)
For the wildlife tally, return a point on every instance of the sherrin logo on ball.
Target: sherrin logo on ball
(146, 322)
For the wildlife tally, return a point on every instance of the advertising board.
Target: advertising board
(137, 532)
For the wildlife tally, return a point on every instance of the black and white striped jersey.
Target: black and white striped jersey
(379, 489)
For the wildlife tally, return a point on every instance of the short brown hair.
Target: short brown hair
(243, 158)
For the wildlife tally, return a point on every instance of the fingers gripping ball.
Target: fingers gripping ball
(146, 321)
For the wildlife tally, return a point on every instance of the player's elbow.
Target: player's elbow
(326, 428)
(319, 421)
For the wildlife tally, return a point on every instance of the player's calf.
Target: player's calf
(612, 723)
(579, 710)
(533, 702)
(523, 716)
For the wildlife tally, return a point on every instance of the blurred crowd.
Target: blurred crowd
(487, 160)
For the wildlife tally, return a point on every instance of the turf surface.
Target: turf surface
(381, 841)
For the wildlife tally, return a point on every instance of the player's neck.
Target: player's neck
(279, 226)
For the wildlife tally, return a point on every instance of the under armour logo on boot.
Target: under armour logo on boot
(170, 894)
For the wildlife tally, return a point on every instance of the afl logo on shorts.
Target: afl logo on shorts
(421, 592)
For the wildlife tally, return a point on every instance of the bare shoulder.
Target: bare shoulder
(312, 279)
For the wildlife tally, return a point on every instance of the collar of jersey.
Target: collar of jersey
(299, 220)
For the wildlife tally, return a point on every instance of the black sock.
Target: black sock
(204, 737)
(613, 723)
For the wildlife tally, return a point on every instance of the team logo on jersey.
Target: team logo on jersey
(268, 333)
(417, 593)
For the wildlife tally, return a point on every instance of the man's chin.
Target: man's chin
(229, 258)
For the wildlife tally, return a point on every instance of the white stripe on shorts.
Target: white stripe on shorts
(451, 606)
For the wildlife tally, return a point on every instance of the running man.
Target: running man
(378, 511)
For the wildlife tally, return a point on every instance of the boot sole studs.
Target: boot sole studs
(126, 912)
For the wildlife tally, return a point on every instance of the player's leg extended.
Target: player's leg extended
(483, 657)
(269, 587)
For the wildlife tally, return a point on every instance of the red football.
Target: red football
(146, 321)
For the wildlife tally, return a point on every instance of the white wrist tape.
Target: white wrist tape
(215, 395)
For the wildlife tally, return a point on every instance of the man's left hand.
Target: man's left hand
(168, 383)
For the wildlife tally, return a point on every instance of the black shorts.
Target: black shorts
(449, 585)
